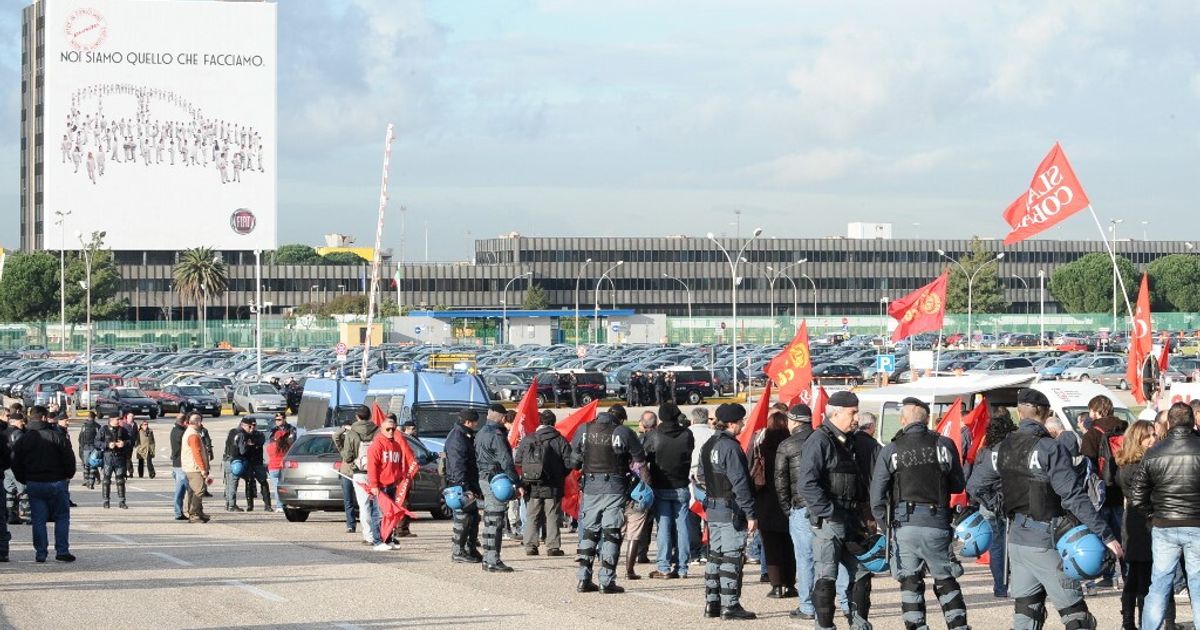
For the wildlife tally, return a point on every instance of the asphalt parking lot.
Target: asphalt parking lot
(138, 568)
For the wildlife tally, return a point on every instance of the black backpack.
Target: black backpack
(533, 464)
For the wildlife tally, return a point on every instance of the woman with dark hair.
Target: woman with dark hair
(772, 522)
(277, 447)
(1000, 424)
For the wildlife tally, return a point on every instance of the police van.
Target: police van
(1067, 399)
(430, 399)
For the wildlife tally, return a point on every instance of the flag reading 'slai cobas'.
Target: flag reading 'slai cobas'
(922, 310)
(1053, 195)
(791, 369)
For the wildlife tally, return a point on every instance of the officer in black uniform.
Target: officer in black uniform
(493, 456)
(605, 451)
(113, 440)
(1043, 496)
(462, 471)
(831, 488)
(910, 495)
(730, 507)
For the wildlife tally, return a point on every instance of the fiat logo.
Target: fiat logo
(242, 221)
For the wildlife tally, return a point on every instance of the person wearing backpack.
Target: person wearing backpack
(1100, 445)
(355, 442)
(543, 458)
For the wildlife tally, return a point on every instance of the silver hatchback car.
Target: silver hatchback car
(256, 397)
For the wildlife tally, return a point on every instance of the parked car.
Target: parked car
(1083, 370)
(692, 386)
(1003, 365)
(252, 397)
(190, 398)
(43, 393)
(122, 400)
(1112, 377)
(589, 385)
(504, 386)
(34, 351)
(837, 373)
(310, 483)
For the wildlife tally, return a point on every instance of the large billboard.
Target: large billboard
(159, 122)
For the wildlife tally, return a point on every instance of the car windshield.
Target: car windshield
(435, 421)
(150, 384)
(262, 388)
(193, 390)
(1121, 414)
(129, 392)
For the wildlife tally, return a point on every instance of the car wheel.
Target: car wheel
(153, 415)
(585, 399)
(1123, 384)
(541, 400)
(235, 409)
(694, 398)
(1085, 379)
(295, 516)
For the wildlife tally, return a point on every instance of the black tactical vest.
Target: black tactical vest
(599, 456)
(716, 483)
(1024, 492)
(919, 477)
(843, 474)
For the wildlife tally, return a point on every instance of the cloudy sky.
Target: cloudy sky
(654, 117)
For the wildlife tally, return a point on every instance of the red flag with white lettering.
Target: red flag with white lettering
(393, 511)
(818, 407)
(1141, 341)
(1053, 195)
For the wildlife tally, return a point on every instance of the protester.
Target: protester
(280, 442)
(1096, 447)
(638, 522)
(145, 450)
(195, 464)
(543, 458)
(669, 455)
(180, 499)
(14, 491)
(355, 442)
(1166, 486)
(1000, 424)
(5, 466)
(42, 460)
(385, 469)
(779, 556)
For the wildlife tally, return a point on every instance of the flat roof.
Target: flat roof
(513, 313)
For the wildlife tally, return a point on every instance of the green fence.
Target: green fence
(277, 333)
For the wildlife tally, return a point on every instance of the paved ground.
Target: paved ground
(138, 568)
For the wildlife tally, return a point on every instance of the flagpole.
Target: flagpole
(1112, 255)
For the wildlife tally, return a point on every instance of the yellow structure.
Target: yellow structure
(365, 253)
(355, 333)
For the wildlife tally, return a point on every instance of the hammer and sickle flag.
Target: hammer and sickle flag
(1141, 342)
(922, 310)
(791, 369)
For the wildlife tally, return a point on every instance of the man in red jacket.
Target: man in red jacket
(385, 469)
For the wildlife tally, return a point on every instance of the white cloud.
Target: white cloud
(817, 165)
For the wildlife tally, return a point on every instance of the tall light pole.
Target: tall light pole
(504, 306)
(795, 294)
(61, 222)
(1112, 229)
(596, 310)
(691, 326)
(578, 277)
(1041, 307)
(1145, 230)
(86, 249)
(814, 287)
(971, 289)
(1026, 289)
(733, 266)
(258, 313)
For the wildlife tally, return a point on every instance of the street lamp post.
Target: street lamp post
(691, 326)
(596, 308)
(1026, 289)
(814, 287)
(61, 222)
(504, 306)
(258, 313)
(733, 265)
(87, 286)
(1041, 307)
(795, 294)
(578, 277)
(970, 289)
(1112, 229)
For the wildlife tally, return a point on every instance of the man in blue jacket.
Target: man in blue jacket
(462, 471)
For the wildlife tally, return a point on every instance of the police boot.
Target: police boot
(249, 504)
(106, 492)
(612, 589)
(737, 613)
(121, 495)
(954, 607)
(586, 586)
(267, 503)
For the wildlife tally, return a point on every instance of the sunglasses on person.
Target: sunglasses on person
(388, 429)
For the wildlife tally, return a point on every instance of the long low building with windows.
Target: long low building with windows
(840, 276)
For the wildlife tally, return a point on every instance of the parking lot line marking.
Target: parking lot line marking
(120, 539)
(347, 626)
(254, 590)
(135, 488)
(665, 600)
(170, 558)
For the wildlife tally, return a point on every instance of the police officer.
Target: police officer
(87, 438)
(462, 471)
(113, 441)
(910, 493)
(605, 452)
(1042, 493)
(730, 508)
(832, 490)
(493, 456)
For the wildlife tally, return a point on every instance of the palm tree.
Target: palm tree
(200, 273)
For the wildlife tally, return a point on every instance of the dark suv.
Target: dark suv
(589, 385)
(838, 373)
(691, 386)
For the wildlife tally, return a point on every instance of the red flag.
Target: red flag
(527, 416)
(922, 310)
(818, 407)
(1053, 195)
(757, 420)
(695, 505)
(391, 512)
(1164, 359)
(792, 368)
(951, 427)
(977, 421)
(569, 425)
(1140, 341)
(377, 415)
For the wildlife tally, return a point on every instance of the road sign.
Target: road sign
(885, 363)
(616, 328)
(340, 348)
(417, 330)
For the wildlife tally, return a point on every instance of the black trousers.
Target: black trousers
(781, 558)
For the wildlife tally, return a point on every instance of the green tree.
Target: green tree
(342, 258)
(199, 275)
(1085, 286)
(1175, 283)
(295, 254)
(535, 299)
(106, 281)
(987, 296)
(29, 290)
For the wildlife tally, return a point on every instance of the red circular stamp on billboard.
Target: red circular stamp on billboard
(86, 29)
(242, 221)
